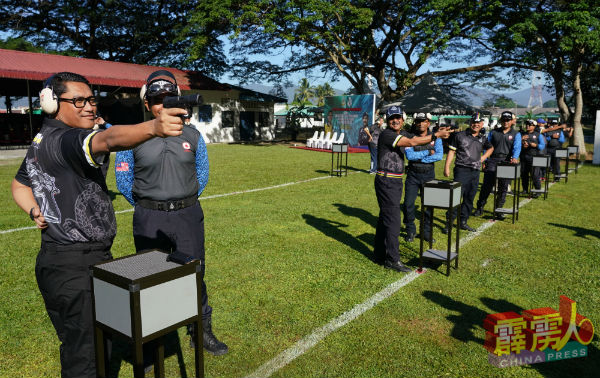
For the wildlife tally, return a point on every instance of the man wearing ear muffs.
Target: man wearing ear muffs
(420, 170)
(61, 185)
(163, 180)
(507, 148)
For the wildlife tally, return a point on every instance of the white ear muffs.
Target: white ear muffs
(48, 101)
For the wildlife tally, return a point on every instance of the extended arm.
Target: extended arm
(118, 138)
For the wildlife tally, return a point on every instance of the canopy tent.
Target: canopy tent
(428, 96)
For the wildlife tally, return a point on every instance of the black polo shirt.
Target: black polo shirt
(468, 148)
(390, 157)
(68, 185)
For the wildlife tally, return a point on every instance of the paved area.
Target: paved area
(12, 154)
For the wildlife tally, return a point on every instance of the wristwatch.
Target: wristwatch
(31, 213)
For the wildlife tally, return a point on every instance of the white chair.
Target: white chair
(315, 142)
(328, 143)
(321, 143)
(340, 139)
(314, 137)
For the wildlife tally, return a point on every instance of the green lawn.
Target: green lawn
(285, 261)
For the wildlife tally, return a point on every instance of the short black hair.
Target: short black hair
(58, 81)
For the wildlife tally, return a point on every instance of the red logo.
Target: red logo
(122, 167)
(186, 146)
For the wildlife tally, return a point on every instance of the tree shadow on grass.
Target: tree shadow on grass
(335, 231)
(579, 231)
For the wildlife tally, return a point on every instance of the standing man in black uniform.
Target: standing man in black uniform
(467, 146)
(388, 185)
(61, 185)
(532, 144)
(163, 179)
(507, 148)
(420, 170)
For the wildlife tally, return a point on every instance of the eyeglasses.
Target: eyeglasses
(159, 87)
(79, 102)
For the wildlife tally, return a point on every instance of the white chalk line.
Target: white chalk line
(306, 343)
(207, 197)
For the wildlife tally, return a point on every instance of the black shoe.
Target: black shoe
(500, 216)
(478, 212)
(209, 340)
(465, 226)
(535, 195)
(397, 266)
(445, 230)
(410, 237)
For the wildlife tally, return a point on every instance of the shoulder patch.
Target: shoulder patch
(186, 146)
(122, 167)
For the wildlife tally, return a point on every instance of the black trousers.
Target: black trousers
(489, 179)
(181, 230)
(554, 162)
(469, 181)
(529, 171)
(389, 194)
(63, 277)
(412, 189)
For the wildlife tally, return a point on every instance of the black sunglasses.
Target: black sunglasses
(79, 102)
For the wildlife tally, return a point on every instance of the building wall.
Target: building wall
(226, 114)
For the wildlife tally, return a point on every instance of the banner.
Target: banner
(349, 115)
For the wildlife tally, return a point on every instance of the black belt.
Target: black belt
(77, 247)
(421, 168)
(168, 205)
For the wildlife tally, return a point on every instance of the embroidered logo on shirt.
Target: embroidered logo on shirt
(510, 137)
(122, 167)
(186, 146)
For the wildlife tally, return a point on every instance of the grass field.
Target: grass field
(285, 261)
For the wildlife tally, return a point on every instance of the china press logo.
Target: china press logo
(538, 335)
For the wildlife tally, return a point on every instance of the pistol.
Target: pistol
(183, 102)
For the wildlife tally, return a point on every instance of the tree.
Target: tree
(505, 102)
(556, 37)
(322, 91)
(303, 93)
(389, 40)
(143, 32)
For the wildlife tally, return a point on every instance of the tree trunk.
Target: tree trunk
(578, 130)
(563, 108)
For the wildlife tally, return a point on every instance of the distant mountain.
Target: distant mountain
(477, 96)
(289, 91)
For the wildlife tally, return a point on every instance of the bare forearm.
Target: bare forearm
(23, 196)
(119, 138)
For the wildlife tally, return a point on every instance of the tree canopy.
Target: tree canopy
(143, 32)
(389, 40)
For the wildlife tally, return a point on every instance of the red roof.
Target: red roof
(36, 66)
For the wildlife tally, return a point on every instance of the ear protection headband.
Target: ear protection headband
(48, 99)
(154, 75)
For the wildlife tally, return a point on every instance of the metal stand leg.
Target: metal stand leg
(101, 362)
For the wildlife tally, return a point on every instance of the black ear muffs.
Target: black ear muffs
(48, 99)
(153, 76)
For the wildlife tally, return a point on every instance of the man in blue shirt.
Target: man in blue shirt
(420, 170)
